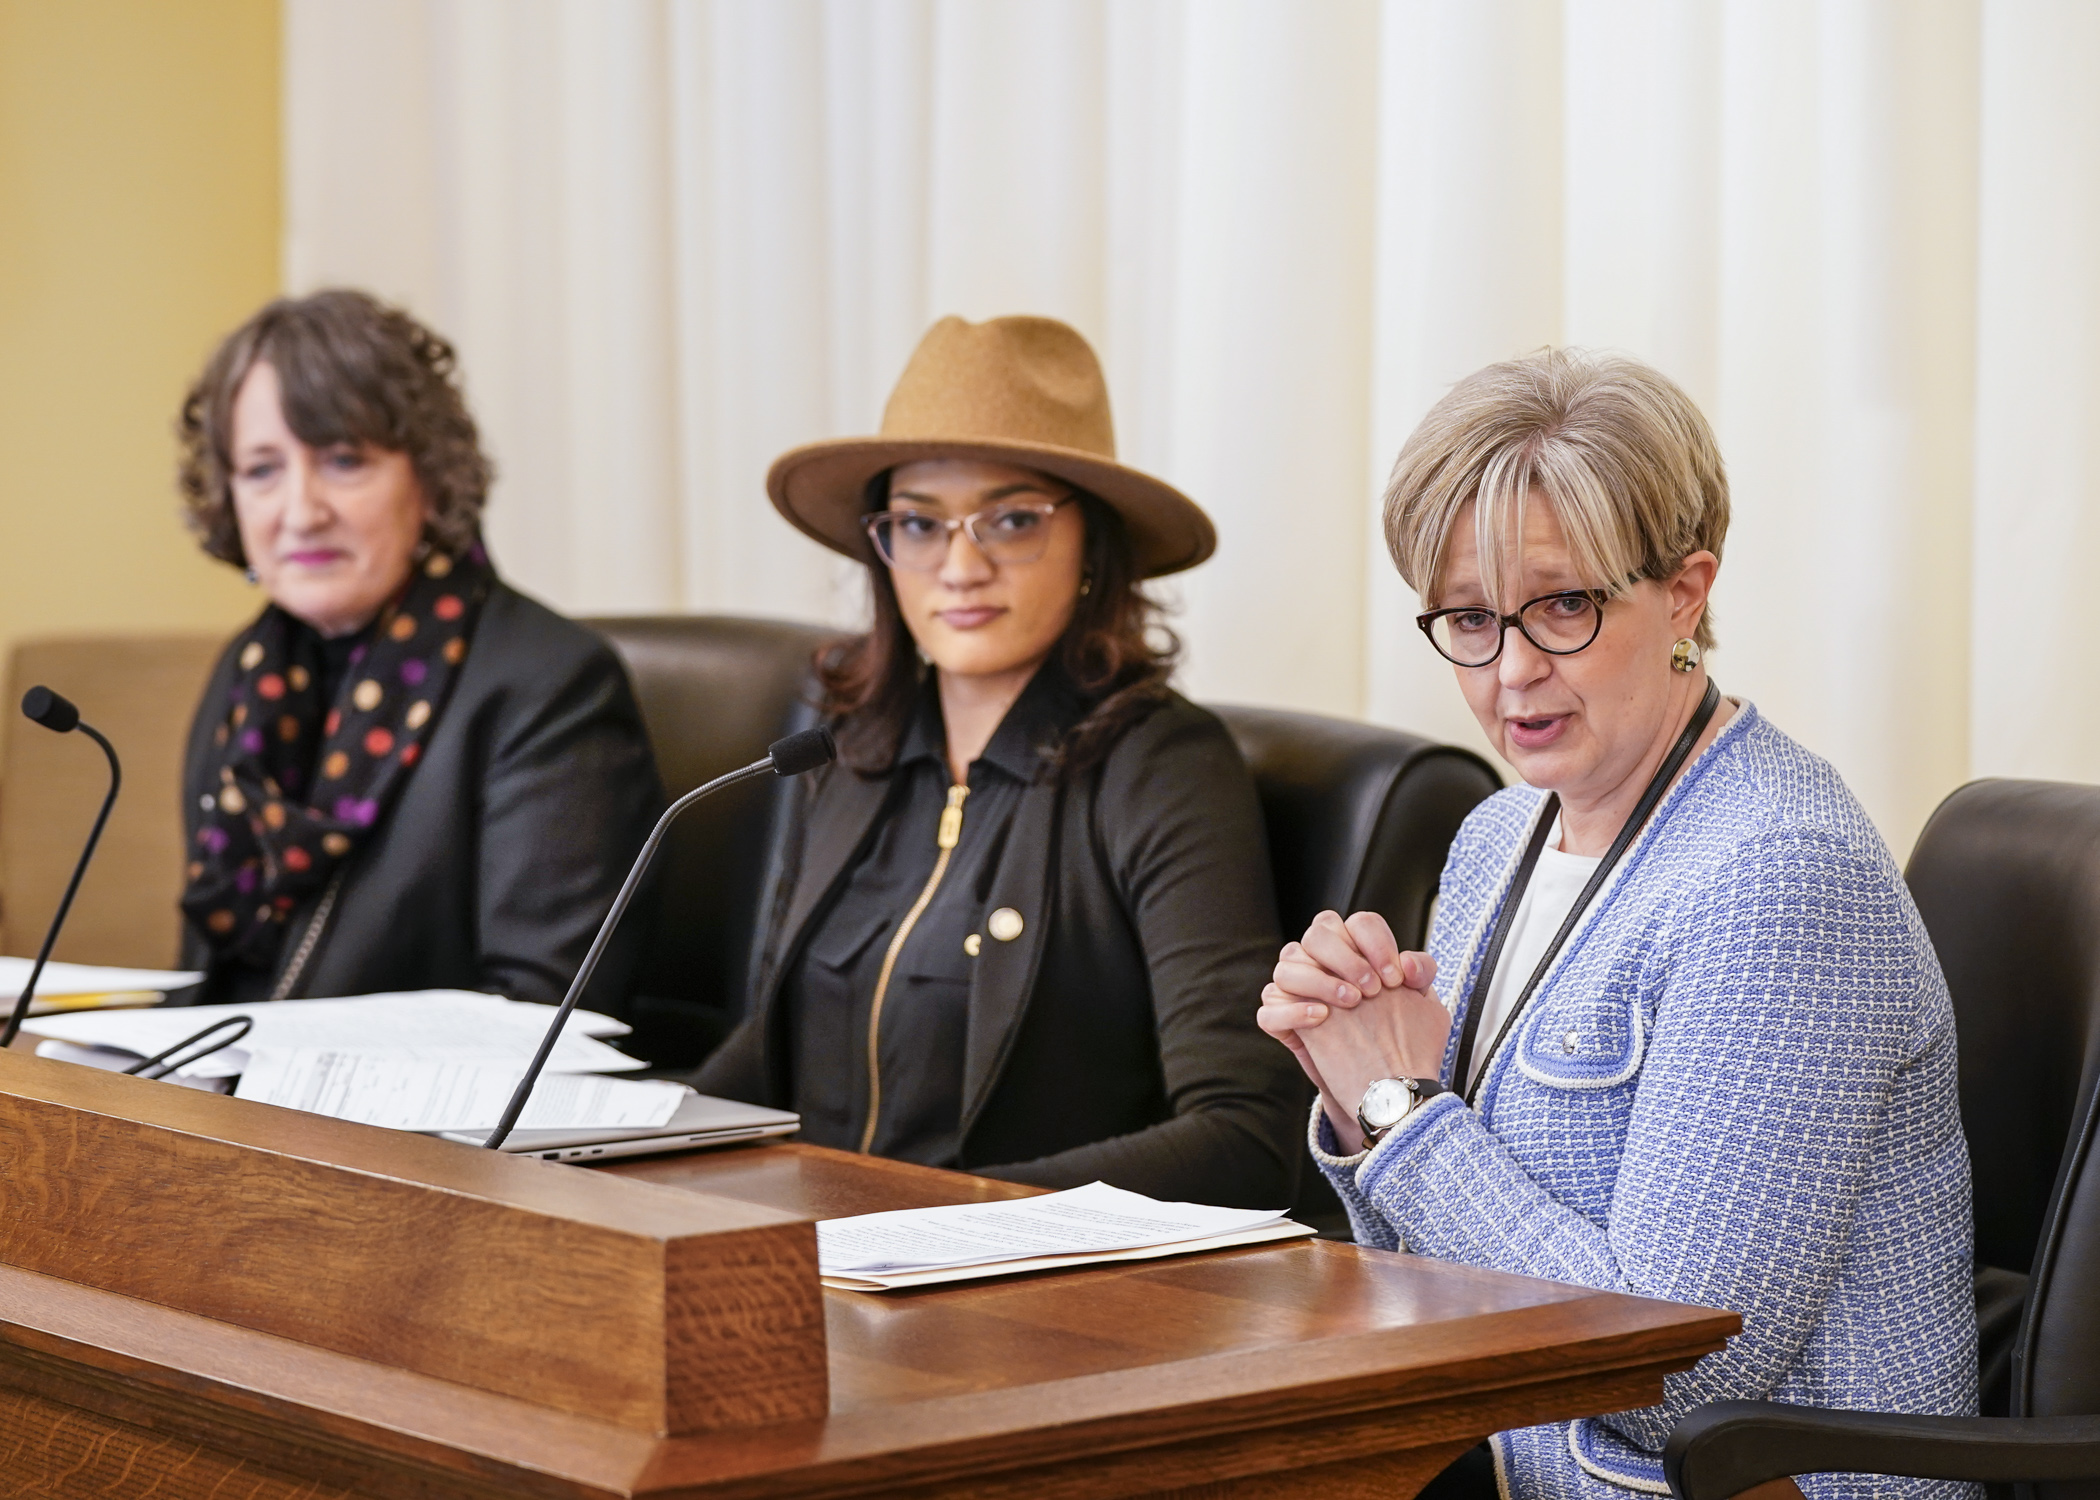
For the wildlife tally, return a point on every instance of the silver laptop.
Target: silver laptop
(700, 1121)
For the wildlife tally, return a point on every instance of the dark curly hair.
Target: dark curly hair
(353, 370)
(1115, 652)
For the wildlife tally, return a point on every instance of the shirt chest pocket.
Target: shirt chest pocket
(940, 950)
(1582, 1042)
(839, 944)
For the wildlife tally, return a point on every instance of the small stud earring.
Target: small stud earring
(1086, 585)
(1684, 655)
(252, 575)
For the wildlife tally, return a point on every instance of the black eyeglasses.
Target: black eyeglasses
(1015, 532)
(1558, 624)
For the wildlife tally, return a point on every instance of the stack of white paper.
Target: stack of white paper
(919, 1246)
(62, 986)
(431, 1025)
(419, 1060)
(429, 1094)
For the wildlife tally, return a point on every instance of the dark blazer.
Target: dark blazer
(507, 844)
(1115, 1037)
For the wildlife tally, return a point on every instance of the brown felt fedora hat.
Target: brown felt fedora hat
(1022, 391)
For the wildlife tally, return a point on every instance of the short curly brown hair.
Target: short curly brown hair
(353, 370)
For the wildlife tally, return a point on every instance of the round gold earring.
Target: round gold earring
(1684, 655)
(1086, 585)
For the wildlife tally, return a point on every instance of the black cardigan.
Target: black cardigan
(507, 844)
(1115, 1037)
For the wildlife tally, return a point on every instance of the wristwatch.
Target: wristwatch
(1389, 1101)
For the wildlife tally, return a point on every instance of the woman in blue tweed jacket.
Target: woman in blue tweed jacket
(1732, 1079)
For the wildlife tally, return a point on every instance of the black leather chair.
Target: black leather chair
(1358, 817)
(715, 691)
(2007, 876)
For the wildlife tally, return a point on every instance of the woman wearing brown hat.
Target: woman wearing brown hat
(1012, 930)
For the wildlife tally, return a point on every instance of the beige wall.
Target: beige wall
(139, 217)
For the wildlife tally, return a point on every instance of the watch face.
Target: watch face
(1385, 1103)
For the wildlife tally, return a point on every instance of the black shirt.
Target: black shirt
(830, 991)
(336, 655)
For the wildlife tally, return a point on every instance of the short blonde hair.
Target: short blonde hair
(1618, 449)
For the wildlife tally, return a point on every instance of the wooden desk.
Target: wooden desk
(1308, 1368)
(1301, 1369)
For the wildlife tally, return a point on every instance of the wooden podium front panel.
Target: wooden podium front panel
(182, 1399)
(661, 1310)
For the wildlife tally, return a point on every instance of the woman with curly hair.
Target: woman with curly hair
(1008, 931)
(404, 774)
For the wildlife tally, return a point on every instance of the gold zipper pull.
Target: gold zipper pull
(951, 816)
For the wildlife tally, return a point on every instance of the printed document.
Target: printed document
(890, 1281)
(428, 1094)
(1088, 1221)
(429, 1025)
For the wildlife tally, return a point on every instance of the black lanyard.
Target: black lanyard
(1664, 775)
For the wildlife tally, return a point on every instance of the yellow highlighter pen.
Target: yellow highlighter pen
(44, 1005)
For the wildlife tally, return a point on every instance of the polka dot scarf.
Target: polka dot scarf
(267, 838)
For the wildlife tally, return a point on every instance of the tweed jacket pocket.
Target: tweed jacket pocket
(1582, 1042)
(1604, 1453)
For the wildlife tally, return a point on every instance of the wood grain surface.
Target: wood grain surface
(667, 1311)
(53, 1452)
(1269, 1373)
(1380, 1477)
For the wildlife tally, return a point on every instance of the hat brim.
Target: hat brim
(821, 489)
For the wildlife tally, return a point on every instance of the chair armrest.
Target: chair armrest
(1722, 1449)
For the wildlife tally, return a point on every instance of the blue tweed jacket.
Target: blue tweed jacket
(1735, 1087)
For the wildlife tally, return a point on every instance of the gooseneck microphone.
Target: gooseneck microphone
(789, 757)
(47, 708)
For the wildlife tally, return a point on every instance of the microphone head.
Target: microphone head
(50, 710)
(803, 752)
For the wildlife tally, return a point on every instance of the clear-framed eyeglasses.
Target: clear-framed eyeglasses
(1559, 624)
(1014, 531)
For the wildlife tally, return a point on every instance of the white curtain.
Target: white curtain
(674, 237)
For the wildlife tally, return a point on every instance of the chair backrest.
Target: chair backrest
(141, 691)
(2007, 877)
(715, 691)
(1359, 817)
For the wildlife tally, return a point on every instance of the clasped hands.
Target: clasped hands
(1354, 1009)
